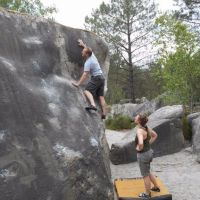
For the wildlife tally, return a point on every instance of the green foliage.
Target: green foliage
(33, 7)
(179, 59)
(171, 99)
(148, 82)
(189, 13)
(114, 94)
(156, 74)
(187, 129)
(149, 86)
(116, 76)
(119, 122)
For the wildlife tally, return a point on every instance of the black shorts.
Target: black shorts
(96, 86)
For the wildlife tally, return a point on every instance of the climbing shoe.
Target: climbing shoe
(145, 196)
(91, 107)
(103, 116)
(155, 189)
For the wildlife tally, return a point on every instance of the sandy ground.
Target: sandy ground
(180, 172)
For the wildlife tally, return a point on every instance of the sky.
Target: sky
(72, 12)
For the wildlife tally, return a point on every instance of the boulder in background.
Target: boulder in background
(166, 122)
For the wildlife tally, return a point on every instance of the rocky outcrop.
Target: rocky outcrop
(166, 122)
(50, 147)
(167, 112)
(122, 109)
(131, 110)
(196, 135)
(198, 158)
(192, 116)
(124, 151)
(194, 121)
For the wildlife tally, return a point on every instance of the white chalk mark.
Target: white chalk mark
(5, 173)
(55, 123)
(62, 80)
(51, 92)
(54, 109)
(7, 64)
(32, 40)
(94, 142)
(40, 126)
(2, 136)
(66, 154)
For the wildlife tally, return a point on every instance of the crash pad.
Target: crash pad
(130, 188)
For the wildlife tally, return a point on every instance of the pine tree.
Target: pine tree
(126, 25)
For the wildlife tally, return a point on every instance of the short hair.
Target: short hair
(88, 51)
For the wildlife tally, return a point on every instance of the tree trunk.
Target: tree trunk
(131, 91)
(131, 84)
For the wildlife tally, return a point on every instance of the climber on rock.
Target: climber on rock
(95, 86)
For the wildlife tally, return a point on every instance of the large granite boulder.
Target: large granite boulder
(192, 116)
(122, 109)
(124, 151)
(167, 112)
(196, 135)
(166, 122)
(131, 110)
(198, 158)
(50, 147)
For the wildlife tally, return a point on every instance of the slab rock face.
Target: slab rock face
(50, 147)
(166, 121)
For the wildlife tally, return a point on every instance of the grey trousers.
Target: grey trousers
(144, 160)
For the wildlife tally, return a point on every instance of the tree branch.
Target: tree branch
(140, 37)
(142, 46)
(125, 59)
(143, 58)
(121, 45)
(191, 21)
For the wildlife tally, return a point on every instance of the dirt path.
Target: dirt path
(180, 172)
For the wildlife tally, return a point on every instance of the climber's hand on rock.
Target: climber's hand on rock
(75, 84)
(137, 148)
(80, 43)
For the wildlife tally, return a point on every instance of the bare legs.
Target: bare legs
(103, 104)
(147, 183)
(102, 101)
(153, 180)
(90, 98)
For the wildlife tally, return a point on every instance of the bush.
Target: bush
(187, 129)
(119, 122)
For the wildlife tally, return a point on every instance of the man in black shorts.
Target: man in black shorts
(95, 87)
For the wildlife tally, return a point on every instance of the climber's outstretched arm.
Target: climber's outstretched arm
(81, 44)
(82, 79)
(86, 71)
